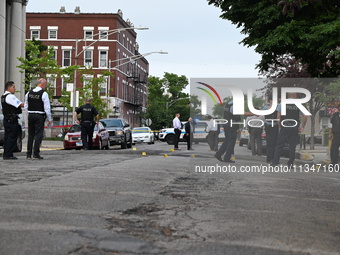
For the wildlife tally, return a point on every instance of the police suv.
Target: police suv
(200, 134)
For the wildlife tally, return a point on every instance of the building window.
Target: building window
(88, 35)
(51, 84)
(103, 35)
(103, 87)
(55, 50)
(103, 58)
(35, 34)
(66, 58)
(52, 34)
(88, 58)
(87, 84)
(64, 82)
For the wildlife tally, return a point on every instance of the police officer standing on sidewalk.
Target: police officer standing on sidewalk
(272, 131)
(11, 107)
(334, 135)
(290, 130)
(88, 112)
(37, 105)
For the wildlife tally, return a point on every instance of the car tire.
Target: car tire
(124, 144)
(170, 139)
(129, 144)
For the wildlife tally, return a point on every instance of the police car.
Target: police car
(200, 135)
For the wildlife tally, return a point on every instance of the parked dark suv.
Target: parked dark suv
(21, 133)
(119, 132)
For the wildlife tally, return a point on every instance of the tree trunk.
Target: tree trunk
(312, 120)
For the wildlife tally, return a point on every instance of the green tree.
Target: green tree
(323, 91)
(165, 98)
(309, 30)
(195, 103)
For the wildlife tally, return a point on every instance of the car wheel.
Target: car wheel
(170, 139)
(18, 146)
(124, 144)
(129, 145)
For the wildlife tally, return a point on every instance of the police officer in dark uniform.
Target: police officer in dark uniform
(290, 130)
(334, 135)
(37, 105)
(88, 112)
(272, 131)
(11, 107)
(227, 147)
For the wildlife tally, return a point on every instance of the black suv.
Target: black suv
(119, 132)
(21, 135)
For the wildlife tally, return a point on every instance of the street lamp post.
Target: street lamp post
(110, 32)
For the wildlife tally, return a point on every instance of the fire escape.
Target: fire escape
(139, 79)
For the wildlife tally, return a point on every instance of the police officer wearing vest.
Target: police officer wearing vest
(334, 135)
(11, 107)
(289, 131)
(88, 112)
(272, 131)
(37, 105)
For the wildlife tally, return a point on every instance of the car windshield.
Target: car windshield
(75, 128)
(112, 123)
(140, 130)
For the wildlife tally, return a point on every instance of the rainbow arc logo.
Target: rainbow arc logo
(213, 97)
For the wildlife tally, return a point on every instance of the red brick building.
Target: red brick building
(92, 39)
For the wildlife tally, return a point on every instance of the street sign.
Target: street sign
(148, 122)
(69, 87)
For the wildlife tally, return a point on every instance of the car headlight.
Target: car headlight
(66, 137)
(120, 132)
(146, 136)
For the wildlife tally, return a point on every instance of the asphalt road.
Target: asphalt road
(123, 202)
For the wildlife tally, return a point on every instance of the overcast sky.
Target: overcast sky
(199, 43)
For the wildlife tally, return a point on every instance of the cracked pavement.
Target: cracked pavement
(119, 202)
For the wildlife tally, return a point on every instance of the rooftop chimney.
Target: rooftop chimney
(77, 10)
(62, 9)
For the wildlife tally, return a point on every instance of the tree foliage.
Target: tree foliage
(165, 98)
(309, 30)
